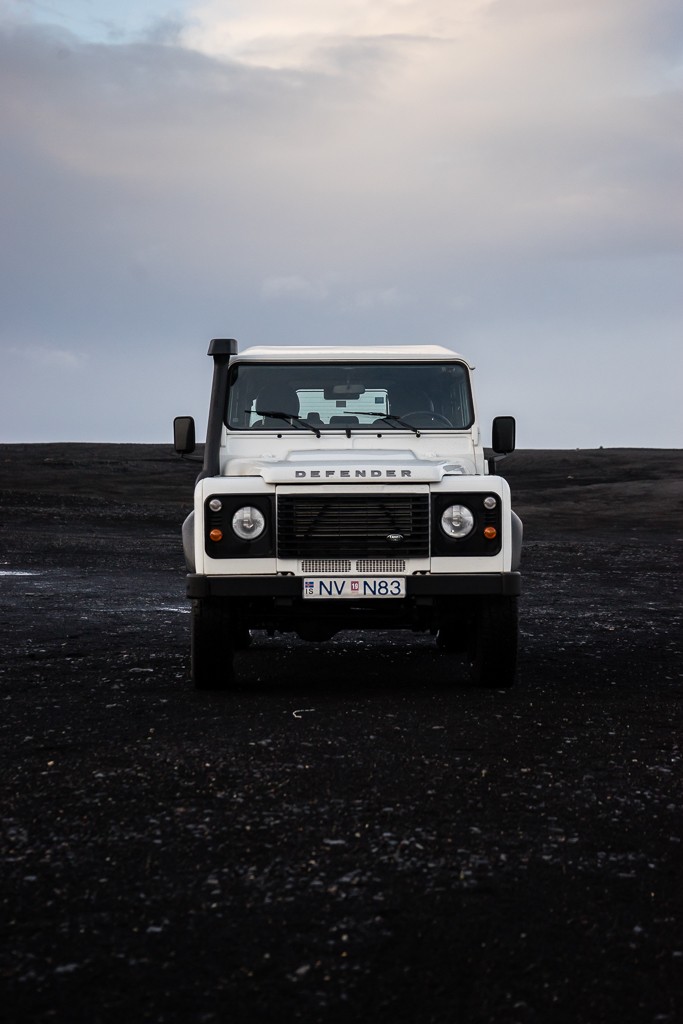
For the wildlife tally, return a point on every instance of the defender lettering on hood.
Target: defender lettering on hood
(346, 474)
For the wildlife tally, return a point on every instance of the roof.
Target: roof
(350, 353)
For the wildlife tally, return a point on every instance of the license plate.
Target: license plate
(337, 588)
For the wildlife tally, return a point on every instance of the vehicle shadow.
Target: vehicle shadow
(349, 663)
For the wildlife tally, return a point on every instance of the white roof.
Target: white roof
(350, 353)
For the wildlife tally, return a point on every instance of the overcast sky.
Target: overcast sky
(504, 177)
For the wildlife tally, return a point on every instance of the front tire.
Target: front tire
(494, 643)
(213, 632)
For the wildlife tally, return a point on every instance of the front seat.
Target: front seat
(275, 398)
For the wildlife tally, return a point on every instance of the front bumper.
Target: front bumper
(461, 585)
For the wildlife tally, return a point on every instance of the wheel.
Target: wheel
(213, 632)
(425, 414)
(493, 646)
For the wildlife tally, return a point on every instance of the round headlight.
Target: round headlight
(457, 521)
(248, 523)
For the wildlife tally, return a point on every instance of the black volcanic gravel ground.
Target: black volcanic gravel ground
(354, 833)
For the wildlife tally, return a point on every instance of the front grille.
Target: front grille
(326, 565)
(310, 526)
(346, 566)
(383, 566)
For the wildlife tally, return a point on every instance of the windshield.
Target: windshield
(357, 396)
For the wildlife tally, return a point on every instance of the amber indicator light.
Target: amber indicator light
(490, 533)
(216, 535)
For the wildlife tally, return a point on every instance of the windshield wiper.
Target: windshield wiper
(390, 419)
(287, 416)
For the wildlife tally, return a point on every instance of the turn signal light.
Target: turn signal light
(490, 533)
(216, 535)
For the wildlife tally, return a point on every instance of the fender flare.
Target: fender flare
(188, 542)
(517, 531)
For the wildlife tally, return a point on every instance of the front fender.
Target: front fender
(188, 542)
(517, 530)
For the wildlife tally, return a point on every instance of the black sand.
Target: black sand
(354, 833)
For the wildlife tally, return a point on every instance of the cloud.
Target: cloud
(295, 287)
(50, 358)
(306, 32)
(382, 298)
(478, 173)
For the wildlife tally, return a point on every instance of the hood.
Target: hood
(352, 467)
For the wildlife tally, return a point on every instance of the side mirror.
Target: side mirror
(503, 435)
(183, 435)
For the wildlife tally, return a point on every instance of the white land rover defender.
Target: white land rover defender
(347, 488)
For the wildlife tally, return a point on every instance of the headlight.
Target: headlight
(248, 523)
(457, 521)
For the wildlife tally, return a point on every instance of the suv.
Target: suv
(347, 488)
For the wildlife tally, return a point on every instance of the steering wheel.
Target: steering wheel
(431, 416)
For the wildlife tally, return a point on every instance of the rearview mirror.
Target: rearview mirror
(183, 435)
(503, 435)
(343, 391)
